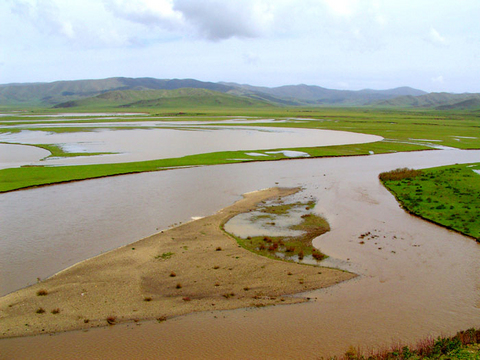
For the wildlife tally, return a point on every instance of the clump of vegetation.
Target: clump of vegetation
(219, 248)
(464, 345)
(147, 298)
(448, 195)
(42, 292)
(292, 248)
(399, 174)
(173, 274)
(165, 256)
(40, 310)
(178, 286)
(111, 320)
(55, 311)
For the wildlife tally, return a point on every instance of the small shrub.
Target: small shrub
(172, 274)
(147, 298)
(186, 298)
(40, 310)
(218, 248)
(111, 320)
(55, 311)
(290, 249)
(179, 286)
(42, 292)
(216, 267)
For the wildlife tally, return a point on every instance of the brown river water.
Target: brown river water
(416, 279)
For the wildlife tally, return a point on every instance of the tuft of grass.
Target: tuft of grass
(178, 286)
(219, 248)
(399, 174)
(147, 298)
(464, 345)
(165, 256)
(40, 310)
(173, 274)
(42, 292)
(55, 311)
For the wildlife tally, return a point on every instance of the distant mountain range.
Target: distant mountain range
(174, 93)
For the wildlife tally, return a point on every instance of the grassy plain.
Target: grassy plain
(448, 195)
(403, 130)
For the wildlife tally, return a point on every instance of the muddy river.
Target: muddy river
(416, 279)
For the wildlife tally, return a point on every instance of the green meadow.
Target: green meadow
(448, 195)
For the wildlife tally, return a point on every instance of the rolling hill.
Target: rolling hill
(178, 98)
(439, 101)
(70, 93)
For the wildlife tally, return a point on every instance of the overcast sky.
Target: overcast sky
(433, 45)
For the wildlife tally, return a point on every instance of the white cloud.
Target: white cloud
(438, 79)
(147, 12)
(45, 15)
(344, 8)
(435, 38)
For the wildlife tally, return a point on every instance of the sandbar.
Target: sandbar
(189, 268)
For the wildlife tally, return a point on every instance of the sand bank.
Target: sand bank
(193, 267)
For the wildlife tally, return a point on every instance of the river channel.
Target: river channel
(416, 279)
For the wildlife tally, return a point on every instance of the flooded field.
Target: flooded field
(155, 140)
(416, 278)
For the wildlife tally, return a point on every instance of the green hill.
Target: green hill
(68, 93)
(179, 98)
(439, 101)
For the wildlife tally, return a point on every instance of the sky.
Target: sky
(432, 45)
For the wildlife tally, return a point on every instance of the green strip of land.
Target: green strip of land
(448, 195)
(30, 176)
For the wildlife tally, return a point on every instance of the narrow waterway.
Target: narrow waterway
(416, 278)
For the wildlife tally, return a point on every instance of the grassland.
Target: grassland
(403, 130)
(448, 195)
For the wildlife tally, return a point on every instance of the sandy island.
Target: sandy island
(189, 268)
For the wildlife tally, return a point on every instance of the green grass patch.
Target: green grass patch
(57, 151)
(289, 248)
(448, 195)
(165, 256)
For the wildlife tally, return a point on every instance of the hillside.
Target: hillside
(72, 93)
(439, 101)
(178, 98)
